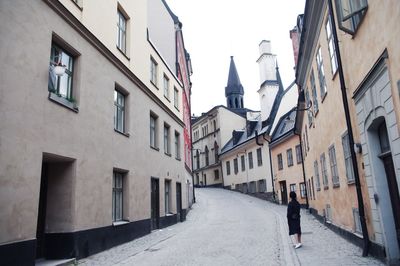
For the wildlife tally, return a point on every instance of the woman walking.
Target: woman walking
(293, 216)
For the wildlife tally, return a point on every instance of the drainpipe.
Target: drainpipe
(351, 137)
(270, 162)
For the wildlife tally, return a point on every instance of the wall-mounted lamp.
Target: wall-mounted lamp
(357, 148)
(59, 69)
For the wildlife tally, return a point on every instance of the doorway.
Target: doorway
(386, 157)
(41, 222)
(283, 189)
(179, 202)
(155, 204)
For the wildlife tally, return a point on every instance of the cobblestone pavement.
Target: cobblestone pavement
(230, 228)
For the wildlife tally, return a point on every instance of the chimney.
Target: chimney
(294, 35)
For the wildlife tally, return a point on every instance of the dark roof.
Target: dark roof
(234, 86)
(173, 16)
(285, 126)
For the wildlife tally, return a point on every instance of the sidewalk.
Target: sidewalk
(321, 246)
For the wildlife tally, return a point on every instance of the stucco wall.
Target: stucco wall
(31, 125)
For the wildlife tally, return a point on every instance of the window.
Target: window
(176, 98)
(298, 154)
(119, 111)
(321, 74)
(198, 159)
(177, 145)
(153, 71)
(250, 155)
(215, 125)
(167, 146)
(312, 184)
(324, 171)
(216, 152)
(121, 29)
(302, 190)
(350, 14)
(117, 196)
(333, 164)
(280, 161)
(307, 143)
(308, 101)
(242, 159)
(61, 85)
(206, 156)
(292, 187)
(228, 168)
(216, 174)
(314, 92)
(328, 213)
(316, 173)
(259, 157)
(166, 87)
(167, 196)
(289, 155)
(357, 222)
(331, 45)
(153, 131)
(347, 158)
(235, 166)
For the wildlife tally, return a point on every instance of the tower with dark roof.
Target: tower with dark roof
(234, 90)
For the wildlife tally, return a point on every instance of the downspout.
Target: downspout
(351, 137)
(270, 162)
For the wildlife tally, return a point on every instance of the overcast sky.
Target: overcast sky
(214, 30)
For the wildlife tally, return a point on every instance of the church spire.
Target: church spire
(234, 89)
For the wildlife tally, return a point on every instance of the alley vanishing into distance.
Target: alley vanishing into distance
(230, 228)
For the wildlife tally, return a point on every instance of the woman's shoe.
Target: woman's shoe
(297, 245)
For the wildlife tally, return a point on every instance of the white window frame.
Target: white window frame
(61, 85)
(250, 155)
(347, 158)
(333, 166)
(316, 173)
(177, 145)
(324, 171)
(119, 111)
(259, 157)
(314, 92)
(321, 73)
(153, 71)
(289, 155)
(331, 45)
(122, 24)
(166, 86)
(117, 196)
(167, 141)
(176, 98)
(153, 131)
(167, 196)
(298, 154)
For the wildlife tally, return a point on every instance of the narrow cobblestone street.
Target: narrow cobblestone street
(230, 228)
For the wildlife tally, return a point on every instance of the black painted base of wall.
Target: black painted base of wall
(19, 253)
(208, 186)
(375, 250)
(77, 245)
(168, 220)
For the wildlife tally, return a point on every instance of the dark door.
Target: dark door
(179, 202)
(283, 192)
(41, 222)
(393, 191)
(155, 204)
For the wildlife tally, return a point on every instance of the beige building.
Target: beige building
(287, 161)
(352, 47)
(92, 132)
(210, 132)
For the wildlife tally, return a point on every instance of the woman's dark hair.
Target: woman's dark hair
(292, 195)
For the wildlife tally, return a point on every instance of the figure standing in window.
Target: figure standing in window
(293, 216)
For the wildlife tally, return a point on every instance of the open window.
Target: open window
(350, 14)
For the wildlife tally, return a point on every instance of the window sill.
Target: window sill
(336, 185)
(327, 187)
(351, 182)
(118, 223)
(123, 53)
(122, 133)
(169, 214)
(63, 102)
(155, 148)
(318, 189)
(154, 84)
(166, 97)
(178, 158)
(176, 108)
(168, 154)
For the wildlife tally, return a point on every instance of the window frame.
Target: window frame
(321, 74)
(289, 155)
(354, 18)
(167, 196)
(243, 163)
(122, 31)
(122, 108)
(324, 171)
(298, 154)
(228, 167)
(176, 98)
(347, 158)
(167, 140)
(250, 158)
(153, 71)
(316, 173)
(331, 46)
(177, 146)
(259, 157)
(235, 166)
(280, 161)
(166, 86)
(302, 187)
(314, 93)
(117, 190)
(334, 166)
(154, 130)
